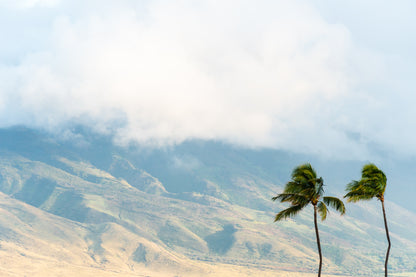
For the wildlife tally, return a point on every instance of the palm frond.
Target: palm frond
(293, 198)
(353, 185)
(305, 182)
(373, 185)
(304, 172)
(305, 188)
(371, 170)
(319, 187)
(294, 187)
(335, 203)
(289, 212)
(358, 195)
(323, 210)
(308, 192)
(360, 190)
(371, 174)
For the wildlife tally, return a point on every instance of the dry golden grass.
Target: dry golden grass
(19, 261)
(21, 266)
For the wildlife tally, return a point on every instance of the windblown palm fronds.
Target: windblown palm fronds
(372, 185)
(306, 188)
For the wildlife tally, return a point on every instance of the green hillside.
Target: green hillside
(94, 207)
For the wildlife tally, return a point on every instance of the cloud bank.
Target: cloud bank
(276, 74)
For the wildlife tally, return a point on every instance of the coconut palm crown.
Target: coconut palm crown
(306, 188)
(303, 189)
(372, 185)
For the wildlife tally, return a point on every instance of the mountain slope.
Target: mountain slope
(181, 209)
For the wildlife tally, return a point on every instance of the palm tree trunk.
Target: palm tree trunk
(388, 238)
(317, 240)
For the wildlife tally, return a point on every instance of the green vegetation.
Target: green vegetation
(306, 188)
(372, 185)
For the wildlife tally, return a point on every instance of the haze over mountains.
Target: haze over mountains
(215, 103)
(86, 206)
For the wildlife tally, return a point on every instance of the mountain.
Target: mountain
(83, 205)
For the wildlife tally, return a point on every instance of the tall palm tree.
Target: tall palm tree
(372, 184)
(306, 188)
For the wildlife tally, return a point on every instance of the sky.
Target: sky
(324, 77)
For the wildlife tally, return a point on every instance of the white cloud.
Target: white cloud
(27, 4)
(271, 74)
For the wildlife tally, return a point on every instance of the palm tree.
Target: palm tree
(372, 184)
(306, 188)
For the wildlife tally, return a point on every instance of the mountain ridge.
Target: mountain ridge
(194, 204)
